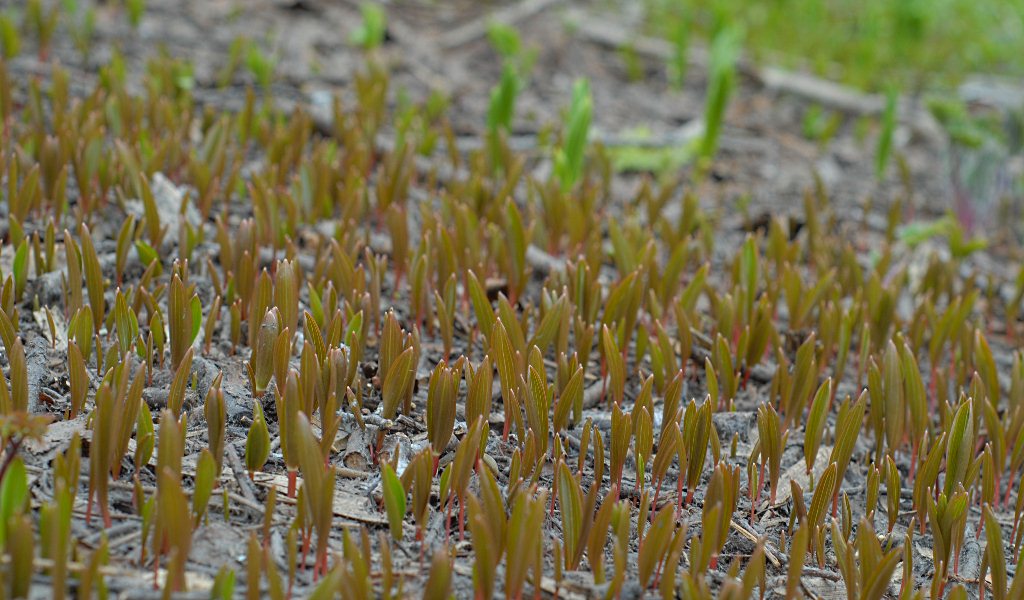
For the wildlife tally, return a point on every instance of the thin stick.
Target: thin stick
(478, 27)
(248, 488)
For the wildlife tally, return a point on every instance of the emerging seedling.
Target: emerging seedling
(257, 443)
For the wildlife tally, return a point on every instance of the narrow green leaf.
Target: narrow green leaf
(570, 503)
(206, 472)
(397, 383)
(816, 422)
(257, 443)
(394, 500)
(655, 544)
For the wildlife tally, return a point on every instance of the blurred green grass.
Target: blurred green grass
(874, 45)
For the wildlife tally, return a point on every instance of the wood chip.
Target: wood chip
(60, 342)
(769, 552)
(798, 473)
(508, 15)
(58, 435)
(346, 505)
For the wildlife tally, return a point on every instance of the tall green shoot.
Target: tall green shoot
(725, 50)
(507, 42)
(369, 35)
(885, 137)
(569, 157)
(678, 35)
(501, 110)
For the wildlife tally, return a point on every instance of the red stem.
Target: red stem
(462, 520)
(1009, 488)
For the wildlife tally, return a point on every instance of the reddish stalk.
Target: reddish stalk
(292, 482)
(657, 572)
(933, 398)
(1009, 488)
(447, 525)
(999, 483)
(604, 372)
(322, 565)
(760, 486)
(462, 520)
(156, 571)
(305, 547)
(679, 497)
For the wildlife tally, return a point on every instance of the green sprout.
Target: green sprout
(10, 40)
(725, 50)
(135, 9)
(260, 65)
(508, 43)
(885, 138)
(568, 158)
(369, 35)
(501, 110)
